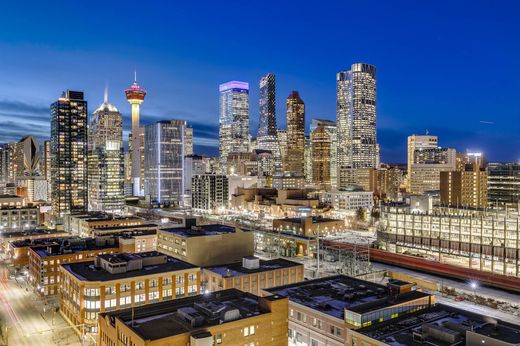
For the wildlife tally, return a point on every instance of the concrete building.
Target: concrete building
(288, 181)
(332, 131)
(438, 325)
(504, 184)
(309, 226)
(349, 200)
(115, 282)
(26, 159)
(206, 245)
(84, 224)
(466, 187)
(323, 311)
(321, 157)
(35, 188)
(427, 168)
(418, 142)
(16, 216)
(16, 245)
(253, 275)
(209, 192)
(385, 182)
(356, 121)
(188, 141)
(229, 317)
(193, 165)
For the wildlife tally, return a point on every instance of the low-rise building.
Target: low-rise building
(18, 251)
(229, 317)
(16, 215)
(44, 262)
(83, 224)
(145, 227)
(438, 326)
(137, 241)
(252, 275)
(349, 200)
(206, 245)
(322, 311)
(309, 226)
(32, 234)
(284, 182)
(117, 281)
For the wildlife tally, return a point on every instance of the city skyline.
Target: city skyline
(419, 86)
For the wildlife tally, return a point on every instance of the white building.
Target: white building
(348, 200)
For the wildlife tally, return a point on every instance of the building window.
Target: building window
(314, 342)
(246, 331)
(252, 330)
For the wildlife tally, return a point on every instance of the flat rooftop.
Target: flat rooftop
(162, 320)
(128, 227)
(236, 269)
(314, 219)
(100, 216)
(69, 246)
(31, 233)
(199, 231)
(87, 271)
(332, 295)
(37, 242)
(445, 319)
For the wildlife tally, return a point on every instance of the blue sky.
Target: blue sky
(444, 66)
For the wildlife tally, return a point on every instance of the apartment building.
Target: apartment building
(117, 281)
(84, 224)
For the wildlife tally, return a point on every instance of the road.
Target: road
(28, 319)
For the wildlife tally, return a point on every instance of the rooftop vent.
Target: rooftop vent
(251, 262)
(192, 316)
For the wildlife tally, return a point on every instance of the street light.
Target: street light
(474, 286)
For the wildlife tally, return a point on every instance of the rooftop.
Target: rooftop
(116, 228)
(332, 295)
(315, 219)
(203, 230)
(439, 323)
(166, 319)
(237, 269)
(31, 233)
(88, 271)
(36, 242)
(73, 245)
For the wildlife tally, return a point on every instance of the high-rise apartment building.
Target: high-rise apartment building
(5, 160)
(209, 191)
(294, 159)
(164, 162)
(356, 122)
(135, 96)
(282, 144)
(69, 153)
(418, 142)
(467, 185)
(321, 144)
(427, 166)
(504, 184)
(47, 166)
(332, 131)
(267, 136)
(106, 159)
(307, 161)
(234, 119)
(188, 141)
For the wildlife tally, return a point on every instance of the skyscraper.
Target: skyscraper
(106, 159)
(267, 136)
(6, 158)
(234, 119)
(69, 153)
(27, 157)
(294, 160)
(188, 141)
(418, 142)
(135, 95)
(356, 122)
(164, 162)
(330, 127)
(321, 144)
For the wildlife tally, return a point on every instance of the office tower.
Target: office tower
(385, 182)
(69, 154)
(465, 187)
(234, 119)
(135, 95)
(330, 127)
(281, 136)
(307, 160)
(106, 159)
(27, 157)
(504, 184)
(164, 162)
(418, 142)
(356, 122)
(267, 137)
(321, 144)
(294, 159)
(428, 163)
(47, 166)
(193, 165)
(188, 141)
(210, 191)
(6, 154)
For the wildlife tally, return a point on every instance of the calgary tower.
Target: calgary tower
(135, 95)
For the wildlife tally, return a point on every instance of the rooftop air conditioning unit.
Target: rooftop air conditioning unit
(251, 262)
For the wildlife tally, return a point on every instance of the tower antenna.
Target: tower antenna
(135, 75)
(106, 92)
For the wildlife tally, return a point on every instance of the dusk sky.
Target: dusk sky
(451, 67)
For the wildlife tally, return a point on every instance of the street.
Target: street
(26, 319)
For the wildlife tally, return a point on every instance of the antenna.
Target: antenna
(135, 75)
(105, 100)
(427, 132)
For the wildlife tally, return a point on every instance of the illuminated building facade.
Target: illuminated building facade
(427, 166)
(135, 95)
(234, 119)
(209, 191)
(69, 153)
(331, 129)
(106, 159)
(295, 157)
(27, 157)
(419, 142)
(356, 121)
(188, 141)
(164, 162)
(467, 186)
(267, 130)
(321, 158)
(504, 184)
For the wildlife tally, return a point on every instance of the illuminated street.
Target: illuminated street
(28, 319)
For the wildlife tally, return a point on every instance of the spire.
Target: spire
(105, 99)
(135, 75)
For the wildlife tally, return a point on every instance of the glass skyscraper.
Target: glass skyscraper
(69, 153)
(267, 136)
(164, 162)
(295, 157)
(356, 121)
(330, 127)
(106, 159)
(234, 119)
